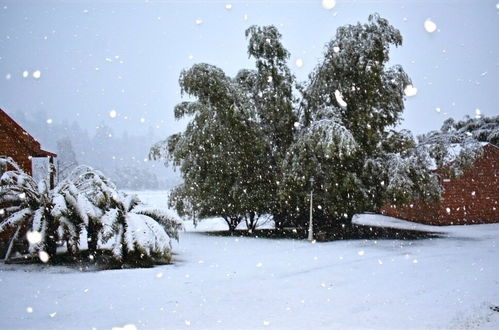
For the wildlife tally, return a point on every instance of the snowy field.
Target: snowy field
(247, 283)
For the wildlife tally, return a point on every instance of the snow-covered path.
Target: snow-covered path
(247, 283)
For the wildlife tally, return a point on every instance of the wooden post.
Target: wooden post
(310, 222)
(51, 173)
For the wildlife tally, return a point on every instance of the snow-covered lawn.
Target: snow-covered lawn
(234, 283)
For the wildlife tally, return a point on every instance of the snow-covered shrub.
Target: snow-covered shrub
(138, 235)
(26, 206)
(88, 202)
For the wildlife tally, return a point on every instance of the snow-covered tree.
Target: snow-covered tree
(66, 158)
(218, 152)
(481, 128)
(270, 92)
(457, 144)
(348, 112)
(135, 177)
(341, 133)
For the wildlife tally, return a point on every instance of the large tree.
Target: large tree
(252, 148)
(348, 143)
(219, 150)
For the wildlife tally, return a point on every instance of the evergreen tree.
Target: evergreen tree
(66, 158)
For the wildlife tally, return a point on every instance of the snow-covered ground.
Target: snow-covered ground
(247, 283)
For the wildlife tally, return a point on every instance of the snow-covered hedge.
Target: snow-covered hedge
(84, 204)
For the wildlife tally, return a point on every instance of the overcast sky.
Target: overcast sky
(98, 56)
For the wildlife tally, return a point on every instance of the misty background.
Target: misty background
(104, 74)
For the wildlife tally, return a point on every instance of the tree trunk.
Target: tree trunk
(50, 245)
(232, 222)
(251, 221)
(92, 237)
(279, 221)
(11, 244)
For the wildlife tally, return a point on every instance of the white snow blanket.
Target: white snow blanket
(247, 283)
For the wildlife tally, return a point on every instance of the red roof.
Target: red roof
(37, 151)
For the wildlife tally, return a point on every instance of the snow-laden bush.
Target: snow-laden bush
(26, 206)
(85, 202)
(137, 234)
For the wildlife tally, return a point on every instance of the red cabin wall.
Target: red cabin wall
(470, 199)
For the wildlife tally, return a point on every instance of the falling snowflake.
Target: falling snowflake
(438, 109)
(328, 4)
(410, 90)
(430, 26)
(245, 17)
(299, 62)
(228, 6)
(159, 275)
(339, 99)
(53, 314)
(44, 256)
(259, 265)
(29, 309)
(198, 21)
(22, 195)
(25, 74)
(187, 322)
(126, 327)
(113, 113)
(142, 120)
(37, 74)
(8, 76)
(336, 49)
(361, 253)
(266, 323)
(269, 79)
(34, 237)
(478, 113)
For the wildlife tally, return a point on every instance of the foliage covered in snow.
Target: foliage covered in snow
(252, 147)
(85, 202)
(457, 144)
